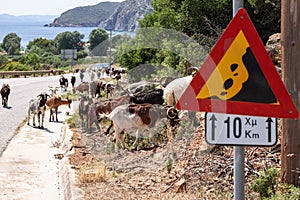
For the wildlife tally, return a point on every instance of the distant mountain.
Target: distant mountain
(86, 16)
(26, 19)
(127, 15)
(115, 16)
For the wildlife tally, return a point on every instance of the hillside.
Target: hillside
(127, 15)
(122, 16)
(87, 16)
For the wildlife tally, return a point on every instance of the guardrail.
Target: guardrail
(16, 74)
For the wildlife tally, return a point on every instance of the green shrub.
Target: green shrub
(169, 164)
(288, 192)
(16, 66)
(74, 121)
(267, 183)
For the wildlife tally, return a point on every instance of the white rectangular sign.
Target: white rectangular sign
(240, 130)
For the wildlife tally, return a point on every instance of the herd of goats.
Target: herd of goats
(138, 106)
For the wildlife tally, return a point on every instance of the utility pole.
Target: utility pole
(109, 51)
(290, 139)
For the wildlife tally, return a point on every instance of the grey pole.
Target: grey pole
(239, 151)
(236, 5)
(109, 58)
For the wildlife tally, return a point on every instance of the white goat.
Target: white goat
(174, 90)
(139, 117)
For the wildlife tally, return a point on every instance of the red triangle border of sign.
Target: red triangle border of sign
(285, 108)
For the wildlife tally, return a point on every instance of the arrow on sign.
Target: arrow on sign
(269, 121)
(213, 120)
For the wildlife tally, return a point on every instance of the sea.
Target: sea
(30, 27)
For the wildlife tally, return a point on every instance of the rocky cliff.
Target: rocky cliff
(127, 15)
(115, 16)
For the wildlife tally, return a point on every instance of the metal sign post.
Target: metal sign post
(239, 151)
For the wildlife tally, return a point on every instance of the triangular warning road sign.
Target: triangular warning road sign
(238, 77)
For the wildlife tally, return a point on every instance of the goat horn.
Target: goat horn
(170, 111)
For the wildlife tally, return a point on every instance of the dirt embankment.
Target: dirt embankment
(186, 168)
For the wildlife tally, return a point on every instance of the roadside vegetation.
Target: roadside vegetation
(44, 54)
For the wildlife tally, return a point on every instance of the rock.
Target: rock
(127, 15)
(273, 48)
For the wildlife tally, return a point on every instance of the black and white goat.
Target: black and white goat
(37, 106)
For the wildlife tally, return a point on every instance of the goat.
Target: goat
(93, 88)
(103, 106)
(37, 106)
(92, 76)
(98, 89)
(73, 80)
(82, 87)
(106, 87)
(174, 90)
(5, 91)
(53, 103)
(141, 86)
(83, 109)
(81, 75)
(92, 117)
(63, 82)
(138, 117)
(153, 96)
(53, 91)
(106, 106)
(109, 88)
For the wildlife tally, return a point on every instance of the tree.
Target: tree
(68, 40)
(11, 43)
(198, 19)
(265, 16)
(3, 61)
(96, 37)
(33, 59)
(205, 20)
(40, 45)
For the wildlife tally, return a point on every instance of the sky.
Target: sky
(44, 7)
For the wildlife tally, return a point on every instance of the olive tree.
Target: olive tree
(98, 40)
(11, 43)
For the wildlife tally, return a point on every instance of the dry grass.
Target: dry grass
(91, 172)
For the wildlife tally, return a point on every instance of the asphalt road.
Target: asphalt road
(22, 90)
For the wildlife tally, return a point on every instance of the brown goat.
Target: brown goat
(53, 103)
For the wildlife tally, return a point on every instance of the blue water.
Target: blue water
(30, 30)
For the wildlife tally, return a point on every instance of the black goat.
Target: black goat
(153, 96)
(5, 91)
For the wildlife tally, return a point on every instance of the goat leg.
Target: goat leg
(108, 129)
